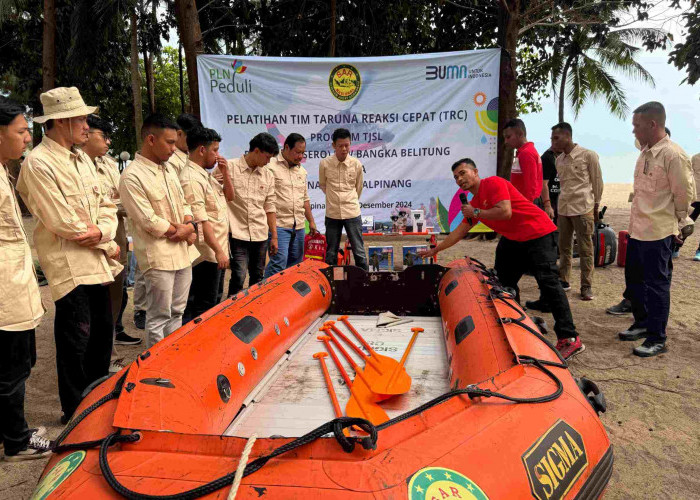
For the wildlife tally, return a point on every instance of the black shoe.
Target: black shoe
(140, 320)
(621, 309)
(650, 348)
(122, 338)
(538, 305)
(633, 333)
(565, 285)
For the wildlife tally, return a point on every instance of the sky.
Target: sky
(611, 137)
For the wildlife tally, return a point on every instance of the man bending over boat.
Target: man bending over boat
(528, 241)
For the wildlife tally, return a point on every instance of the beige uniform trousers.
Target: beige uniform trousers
(583, 226)
(166, 299)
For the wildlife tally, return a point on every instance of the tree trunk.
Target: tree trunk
(182, 81)
(508, 23)
(150, 80)
(331, 51)
(562, 87)
(136, 78)
(49, 46)
(191, 38)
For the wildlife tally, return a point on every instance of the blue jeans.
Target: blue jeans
(648, 273)
(289, 253)
(132, 270)
(353, 228)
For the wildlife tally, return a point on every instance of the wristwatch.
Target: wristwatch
(477, 211)
(194, 225)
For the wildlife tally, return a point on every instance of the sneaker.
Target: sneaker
(565, 285)
(633, 333)
(650, 348)
(569, 347)
(586, 294)
(38, 431)
(538, 305)
(697, 255)
(117, 365)
(123, 338)
(621, 309)
(675, 254)
(140, 320)
(38, 447)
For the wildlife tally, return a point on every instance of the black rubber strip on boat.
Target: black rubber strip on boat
(598, 480)
(451, 286)
(464, 328)
(302, 287)
(247, 328)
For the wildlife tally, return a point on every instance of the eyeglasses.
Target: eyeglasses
(99, 132)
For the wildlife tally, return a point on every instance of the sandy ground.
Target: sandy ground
(652, 404)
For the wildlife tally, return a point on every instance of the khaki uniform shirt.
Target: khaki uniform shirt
(291, 191)
(62, 190)
(108, 173)
(342, 183)
(153, 199)
(254, 198)
(695, 162)
(206, 198)
(20, 300)
(581, 181)
(177, 161)
(663, 191)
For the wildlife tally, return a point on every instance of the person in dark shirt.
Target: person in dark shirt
(551, 180)
(528, 241)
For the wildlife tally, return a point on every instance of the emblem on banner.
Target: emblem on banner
(344, 82)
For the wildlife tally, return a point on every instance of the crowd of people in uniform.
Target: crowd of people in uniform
(192, 214)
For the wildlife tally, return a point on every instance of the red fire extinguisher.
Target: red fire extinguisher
(622, 240)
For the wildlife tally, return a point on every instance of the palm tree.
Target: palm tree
(585, 64)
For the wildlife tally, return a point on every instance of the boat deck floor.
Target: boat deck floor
(293, 399)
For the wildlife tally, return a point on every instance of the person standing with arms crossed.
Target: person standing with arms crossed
(207, 199)
(528, 242)
(20, 301)
(293, 205)
(163, 228)
(663, 190)
(341, 179)
(74, 239)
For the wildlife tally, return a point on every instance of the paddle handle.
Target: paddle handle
(337, 362)
(347, 356)
(364, 343)
(329, 384)
(415, 331)
(354, 347)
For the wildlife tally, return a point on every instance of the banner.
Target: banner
(410, 118)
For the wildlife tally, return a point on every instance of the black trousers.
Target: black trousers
(247, 257)
(353, 229)
(648, 272)
(539, 256)
(17, 357)
(203, 290)
(83, 333)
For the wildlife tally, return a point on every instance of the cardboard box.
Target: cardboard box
(380, 258)
(410, 255)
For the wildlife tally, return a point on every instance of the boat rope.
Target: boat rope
(241, 467)
(336, 427)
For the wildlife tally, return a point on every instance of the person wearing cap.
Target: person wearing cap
(108, 172)
(293, 206)
(20, 301)
(163, 227)
(251, 214)
(663, 191)
(74, 239)
(207, 198)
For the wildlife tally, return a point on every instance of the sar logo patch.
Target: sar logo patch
(440, 483)
(59, 473)
(555, 462)
(344, 82)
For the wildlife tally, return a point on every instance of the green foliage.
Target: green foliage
(167, 82)
(686, 55)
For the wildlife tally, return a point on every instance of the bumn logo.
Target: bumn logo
(452, 72)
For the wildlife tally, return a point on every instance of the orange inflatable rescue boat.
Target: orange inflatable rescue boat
(235, 403)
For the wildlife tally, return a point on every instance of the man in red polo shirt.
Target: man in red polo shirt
(526, 173)
(528, 242)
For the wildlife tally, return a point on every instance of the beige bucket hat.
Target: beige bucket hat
(63, 102)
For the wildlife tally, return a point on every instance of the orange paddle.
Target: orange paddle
(329, 383)
(396, 376)
(360, 403)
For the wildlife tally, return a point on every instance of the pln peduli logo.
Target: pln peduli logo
(224, 80)
(345, 82)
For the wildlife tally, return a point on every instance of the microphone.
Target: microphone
(463, 199)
